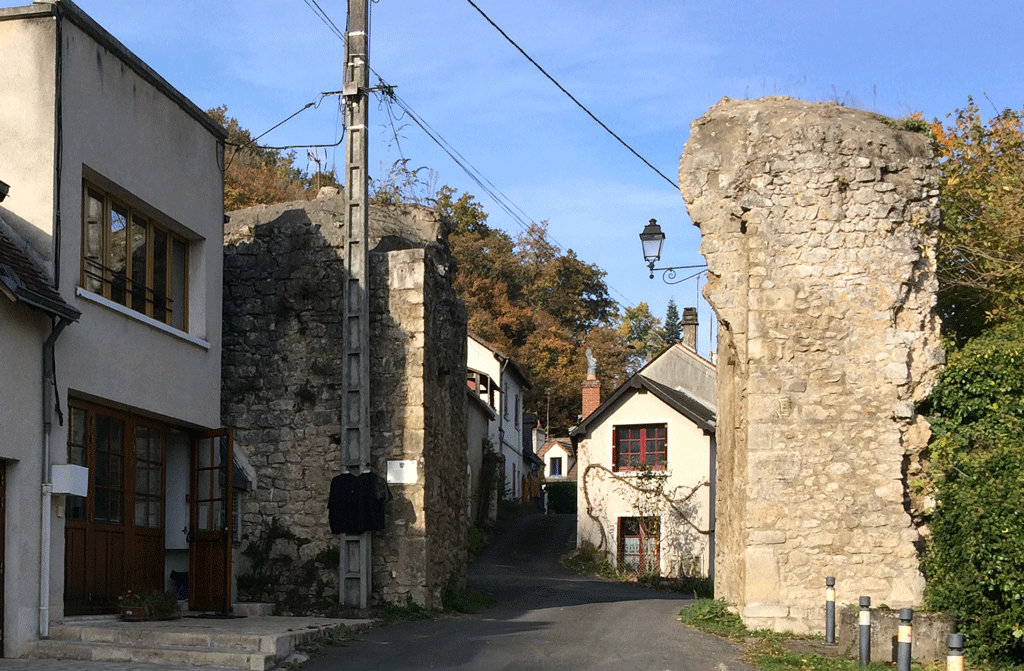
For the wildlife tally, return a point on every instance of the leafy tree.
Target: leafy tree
(642, 331)
(541, 305)
(255, 175)
(975, 560)
(672, 332)
(981, 239)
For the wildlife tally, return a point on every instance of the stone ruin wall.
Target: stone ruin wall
(818, 227)
(419, 357)
(283, 279)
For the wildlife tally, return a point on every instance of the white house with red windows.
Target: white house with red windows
(646, 468)
(111, 320)
(501, 383)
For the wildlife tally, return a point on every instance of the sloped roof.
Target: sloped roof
(677, 399)
(22, 281)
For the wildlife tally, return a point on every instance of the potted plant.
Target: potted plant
(133, 606)
(156, 605)
(164, 606)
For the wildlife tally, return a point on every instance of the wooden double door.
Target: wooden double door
(116, 536)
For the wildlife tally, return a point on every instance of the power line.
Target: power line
(571, 97)
(502, 200)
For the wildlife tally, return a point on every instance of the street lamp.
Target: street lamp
(652, 238)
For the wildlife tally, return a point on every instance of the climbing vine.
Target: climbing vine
(648, 496)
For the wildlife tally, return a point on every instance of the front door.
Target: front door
(210, 517)
(114, 537)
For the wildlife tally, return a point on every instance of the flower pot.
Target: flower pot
(134, 613)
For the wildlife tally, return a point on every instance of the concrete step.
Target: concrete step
(255, 643)
(153, 654)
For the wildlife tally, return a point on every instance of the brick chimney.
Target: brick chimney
(591, 387)
(690, 328)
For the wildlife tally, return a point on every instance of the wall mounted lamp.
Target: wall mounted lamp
(652, 239)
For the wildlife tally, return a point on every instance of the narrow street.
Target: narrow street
(544, 618)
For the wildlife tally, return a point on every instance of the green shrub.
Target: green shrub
(561, 497)
(975, 560)
(715, 617)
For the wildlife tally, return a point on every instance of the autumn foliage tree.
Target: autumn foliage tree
(255, 175)
(981, 239)
(541, 305)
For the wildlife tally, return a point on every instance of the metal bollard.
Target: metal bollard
(955, 656)
(865, 630)
(830, 610)
(904, 636)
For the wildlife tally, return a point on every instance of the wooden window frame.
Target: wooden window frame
(645, 443)
(99, 275)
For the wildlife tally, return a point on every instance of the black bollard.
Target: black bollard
(955, 656)
(904, 636)
(865, 630)
(830, 610)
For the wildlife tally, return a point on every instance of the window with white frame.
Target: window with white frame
(132, 259)
(555, 467)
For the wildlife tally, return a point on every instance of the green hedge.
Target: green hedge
(975, 560)
(561, 497)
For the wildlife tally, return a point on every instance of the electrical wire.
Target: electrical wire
(503, 201)
(675, 186)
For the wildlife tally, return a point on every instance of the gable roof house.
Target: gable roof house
(113, 224)
(646, 468)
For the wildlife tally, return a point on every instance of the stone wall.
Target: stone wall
(818, 227)
(283, 279)
(419, 414)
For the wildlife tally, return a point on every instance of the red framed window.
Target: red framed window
(640, 446)
(639, 545)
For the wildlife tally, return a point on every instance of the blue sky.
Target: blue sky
(647, 69)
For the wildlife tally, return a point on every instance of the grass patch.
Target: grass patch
(714, 617)
(588, 560)
(410, 611)
(468, 601)
(768, 654)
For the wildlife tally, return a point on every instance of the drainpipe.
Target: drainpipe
(47, 486)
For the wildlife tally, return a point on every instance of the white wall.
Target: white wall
(21, 355)
(689, 468)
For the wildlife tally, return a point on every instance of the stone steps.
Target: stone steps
(255, 644)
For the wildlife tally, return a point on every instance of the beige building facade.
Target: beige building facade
(116, 197)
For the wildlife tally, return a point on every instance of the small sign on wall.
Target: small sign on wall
(402, 472)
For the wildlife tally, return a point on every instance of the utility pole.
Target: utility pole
(354, 571)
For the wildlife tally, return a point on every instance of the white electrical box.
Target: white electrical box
(70, 479)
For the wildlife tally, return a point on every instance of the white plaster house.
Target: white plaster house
(559, 460)
(501, 383)
(479, 416)
(116, 198)
(646, 469)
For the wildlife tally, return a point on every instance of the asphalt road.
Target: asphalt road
(544, 618)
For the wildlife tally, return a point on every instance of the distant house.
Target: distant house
(646, 468)
(500, 381)
(559, 460)
(114, 218)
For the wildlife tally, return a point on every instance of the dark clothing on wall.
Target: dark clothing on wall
(356, 503)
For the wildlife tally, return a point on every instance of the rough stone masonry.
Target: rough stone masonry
(818, 226)
(283, 278)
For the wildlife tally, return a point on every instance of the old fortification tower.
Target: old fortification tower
(818, 227)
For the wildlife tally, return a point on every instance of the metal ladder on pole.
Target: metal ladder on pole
(354, 571)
